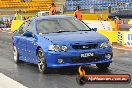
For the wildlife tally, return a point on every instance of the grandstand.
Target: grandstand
(25, 6)
(98, 4)
(33, 6)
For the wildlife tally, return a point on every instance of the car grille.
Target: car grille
(85, 60)
(84, 47)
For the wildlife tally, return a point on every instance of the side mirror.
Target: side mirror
(28, 34)
(94, 29)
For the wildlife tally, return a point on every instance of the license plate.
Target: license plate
(87, 54)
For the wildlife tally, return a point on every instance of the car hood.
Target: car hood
(75, 37)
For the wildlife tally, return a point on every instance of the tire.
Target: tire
(81, 80)
(42, 66)
(103, 66)
(15, 55)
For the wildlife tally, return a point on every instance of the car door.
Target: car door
(31, 42)
(20, 42)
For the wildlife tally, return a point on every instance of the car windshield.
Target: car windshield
(61, 25)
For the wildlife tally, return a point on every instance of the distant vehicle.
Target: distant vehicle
(45, 13)
(42, 13)
(60, 41)
(121, 14)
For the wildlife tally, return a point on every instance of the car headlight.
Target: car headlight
(64, 48)
(58, 48)
(105, 45)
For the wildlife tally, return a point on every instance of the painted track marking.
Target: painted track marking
(6, 82)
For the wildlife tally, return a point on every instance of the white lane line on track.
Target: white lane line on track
(6, 82)
(122, 49)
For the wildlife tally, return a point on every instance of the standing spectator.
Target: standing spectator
(78, 13)
(18, 16)
(117, 21)
(52, 10)
(109, 8)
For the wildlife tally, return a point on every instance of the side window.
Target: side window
(30, 26)
(27, 26)
(21, 29)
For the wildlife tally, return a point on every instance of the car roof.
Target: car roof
(52, 17)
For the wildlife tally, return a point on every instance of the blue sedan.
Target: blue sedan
(60, 41)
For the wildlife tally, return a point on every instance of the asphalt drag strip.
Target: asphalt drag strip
(25, 75)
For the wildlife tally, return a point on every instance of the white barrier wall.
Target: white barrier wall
(103, 25)
(94, 24)
(106, 25)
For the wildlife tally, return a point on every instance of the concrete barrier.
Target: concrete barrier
(111, 35)
(122, 38)
(106, 28)
(130, 21)
(103, 25)
(94, 24)
(93, 16)
(113, 25)
(126, 38)
(106, 25)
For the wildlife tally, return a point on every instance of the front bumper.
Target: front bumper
(52, 58)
